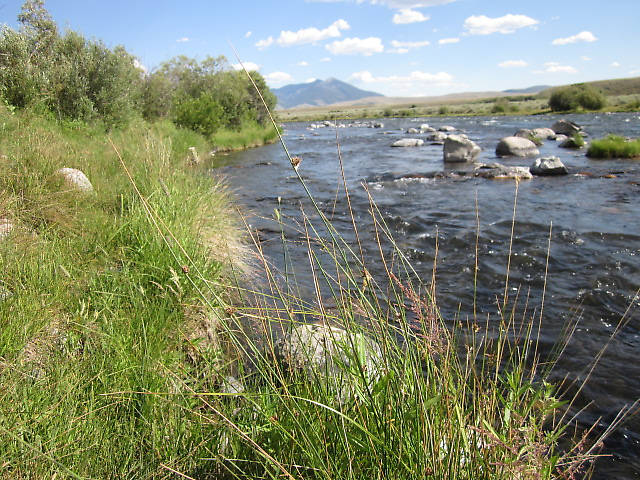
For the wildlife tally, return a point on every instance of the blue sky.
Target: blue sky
(395, 47)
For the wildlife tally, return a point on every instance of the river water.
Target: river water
(594, 263)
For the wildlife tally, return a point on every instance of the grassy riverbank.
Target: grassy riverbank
(119, 327)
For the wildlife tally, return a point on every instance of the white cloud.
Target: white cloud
(278, 78)
(445, 41)
(250, 66)
(555, 67)
(634, 72)
(183, 40)
(408, 45)
(310, 80)
(615, 64)
(303, 64)
(356, 46)
(513, 64)
(325, 59)
(483, 25)
(289, 38)
(248, 34)
(417, 83)
(585, 58)
(261, 44)
(407, 15)
(580, 37)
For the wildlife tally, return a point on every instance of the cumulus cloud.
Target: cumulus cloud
(483, 25)
(584, 36)
(248, 34)
(513, 64)
(615, 64)
(416, 83)
(325, 59)
(289, 38)
(250, 66)
(356, 46)
(183, 40)
(555, 67)
(445, 41)
(275, 78)
(303, 64)
(407, 15)
(264, 43)
(409, 45)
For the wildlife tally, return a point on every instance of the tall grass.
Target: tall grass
(614, 146)
(249, 135)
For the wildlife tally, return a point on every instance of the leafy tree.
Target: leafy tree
(575, 96)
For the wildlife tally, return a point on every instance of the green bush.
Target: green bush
(576, 96)
(614, 146)
(203, 114)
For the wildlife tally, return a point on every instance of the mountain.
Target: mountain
(319, 92)
(535, 89)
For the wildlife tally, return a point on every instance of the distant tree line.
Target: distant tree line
(79, 79)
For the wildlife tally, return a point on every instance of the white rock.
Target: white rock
(75, 178)
(408, 142)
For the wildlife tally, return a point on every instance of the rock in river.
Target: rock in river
(502, 172)
(516, 147)
(548, 166)
(460, 149)
(565, 127)
(408, 142)
(543, 133)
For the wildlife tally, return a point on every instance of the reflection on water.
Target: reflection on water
(594, 262)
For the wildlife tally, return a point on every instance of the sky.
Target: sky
(394, 47)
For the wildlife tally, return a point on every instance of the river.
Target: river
(594, 262)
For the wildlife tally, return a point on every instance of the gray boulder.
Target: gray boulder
(460, 149)
(329, 352)
(571, 142)
(560, 138)
(231, 385)
(425, 127)
(437, 138)
(548, 166)
(412, 131)
(516, 147)
(76, 179)
(408, 142)
(447, 128)
(497, 171)
(544, 133)
(524, 133)
(565, 127)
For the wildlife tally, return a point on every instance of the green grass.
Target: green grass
(614, 146)
(127, 313)
(250, 135)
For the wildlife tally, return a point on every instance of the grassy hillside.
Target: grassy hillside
(615, 87)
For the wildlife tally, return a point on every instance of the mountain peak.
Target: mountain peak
(319, 92)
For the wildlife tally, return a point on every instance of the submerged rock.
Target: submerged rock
(502, 172)
(548, 166)
(458, 148)
(516, 147)
(76, 179)
(408, 142)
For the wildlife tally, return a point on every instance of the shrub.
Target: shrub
(614, 146)
(203, 114)
(575, 96)
(443, 110)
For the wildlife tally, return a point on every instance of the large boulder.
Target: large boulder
(565, 127)
(460, 149)
(543, 133)
(408, 142)
(75, 179)
(447, 128)
(329, 352)
(516, 147)
(497, 171)
(548, 166)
